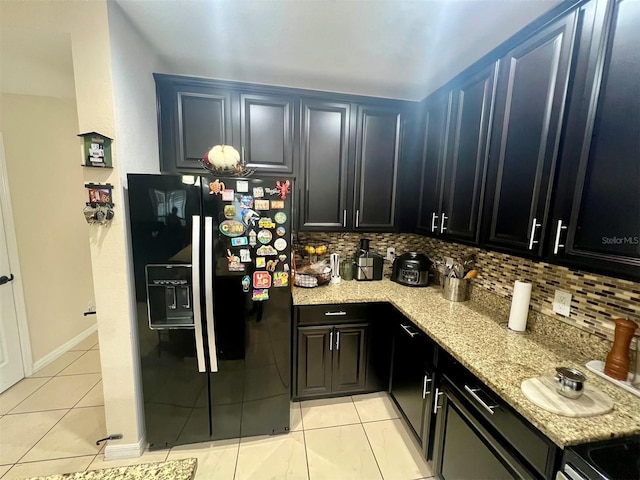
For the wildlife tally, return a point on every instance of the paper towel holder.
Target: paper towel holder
(505, 325)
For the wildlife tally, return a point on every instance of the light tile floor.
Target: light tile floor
(49, 424)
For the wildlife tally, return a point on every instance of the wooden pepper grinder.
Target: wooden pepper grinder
(617, 364)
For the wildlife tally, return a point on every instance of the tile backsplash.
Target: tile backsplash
(596, 299)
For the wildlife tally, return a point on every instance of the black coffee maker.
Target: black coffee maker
(367, 264)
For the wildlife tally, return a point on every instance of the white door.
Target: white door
(11, 369)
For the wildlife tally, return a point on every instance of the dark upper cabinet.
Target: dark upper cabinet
(596, 219)
(466, 156)
(349, 163)
(378, 137)
(530, 97)
(454, 158)
(324, 146)
(266, 132)
(192, 119)
(436, 117)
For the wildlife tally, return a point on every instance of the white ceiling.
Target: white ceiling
(387, 48)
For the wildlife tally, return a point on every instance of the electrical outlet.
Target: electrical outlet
(391, 253)
(562, 303)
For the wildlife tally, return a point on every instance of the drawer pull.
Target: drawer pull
(331, 340)
(472, 392)
(334, 314)
(406, 329)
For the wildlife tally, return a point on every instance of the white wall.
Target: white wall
(88, 25)
(39, 120)
(47, 194)
(134, 98)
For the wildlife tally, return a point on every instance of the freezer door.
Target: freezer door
(165, 219)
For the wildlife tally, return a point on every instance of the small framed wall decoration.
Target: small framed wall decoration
(99, 208)
(97, 150)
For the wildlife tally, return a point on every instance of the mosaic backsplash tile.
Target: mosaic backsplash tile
(596, 299)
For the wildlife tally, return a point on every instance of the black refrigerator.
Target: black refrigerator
(212, 273)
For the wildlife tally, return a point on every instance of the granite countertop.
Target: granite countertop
(472, 334)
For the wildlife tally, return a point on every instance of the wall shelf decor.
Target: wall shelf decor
(97, 150)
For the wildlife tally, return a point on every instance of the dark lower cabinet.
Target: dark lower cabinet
(314, 361)
(331, 360)
(412, 380)
(349, 358)
(465, 449)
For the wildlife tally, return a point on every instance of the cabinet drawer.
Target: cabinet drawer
(338, 313)
(538, 450)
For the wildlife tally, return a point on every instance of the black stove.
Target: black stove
(617, 459)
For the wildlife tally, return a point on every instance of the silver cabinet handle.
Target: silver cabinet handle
(208, 292)
(331, 340)
(406, 329)
(335, 314)
(195, 285)
(556, 244)
(171, 291)
(188, 304)
(338, 340)
(243, 160)
(425, 382)
(434, 217)
(472, 392)
(357, 218)
(443, 222)
(344, 218)
(436, 406)
(532, 238)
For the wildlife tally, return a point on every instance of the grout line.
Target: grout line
(45, 434)
(235, 467)
(333, 426)
(20, 402)
(306, 454)
(372, 451)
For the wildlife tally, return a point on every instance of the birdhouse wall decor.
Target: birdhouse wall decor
(97, 150)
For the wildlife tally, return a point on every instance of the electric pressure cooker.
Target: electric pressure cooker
(411, 269)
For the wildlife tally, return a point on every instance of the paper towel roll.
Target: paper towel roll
(520, 306)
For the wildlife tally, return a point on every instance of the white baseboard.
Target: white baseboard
(125, 450)
(64, 348)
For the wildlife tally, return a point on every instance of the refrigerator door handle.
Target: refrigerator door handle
(208, 292)
(195, 285)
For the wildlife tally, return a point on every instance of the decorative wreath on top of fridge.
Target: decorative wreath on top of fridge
(225, 160)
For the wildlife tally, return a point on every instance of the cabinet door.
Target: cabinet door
(467, 156)
(461, 436)
(436, 116)
(408, 379)
(530, 96)
(314, 360)
(598, 197)
(324, 157)
(377, 153)
(192, 120)
(266, 132)
(349, 358)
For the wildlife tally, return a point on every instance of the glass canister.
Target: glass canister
(346, 269)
